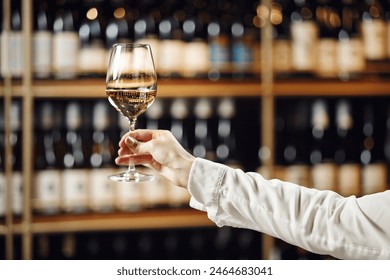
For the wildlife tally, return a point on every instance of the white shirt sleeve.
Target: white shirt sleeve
(322, 222)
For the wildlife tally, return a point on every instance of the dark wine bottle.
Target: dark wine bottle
(101, 194)
(324, 170)
(119, 26)
(348, 149)
(75, 183)
(351, 60)
(66, 43)
(372, 157)
(304, 36)
(93, 54)
(47, 187)
(2, 162)
(42, 40)
(373, 28)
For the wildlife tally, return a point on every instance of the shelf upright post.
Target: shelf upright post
(267, 103)
(7, 130)
(27, 127)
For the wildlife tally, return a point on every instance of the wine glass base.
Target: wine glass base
(131, 177)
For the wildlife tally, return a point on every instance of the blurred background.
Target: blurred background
(297, 90)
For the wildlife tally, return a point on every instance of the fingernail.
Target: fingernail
(131, 142)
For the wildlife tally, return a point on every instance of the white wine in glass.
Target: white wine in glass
(131, 87)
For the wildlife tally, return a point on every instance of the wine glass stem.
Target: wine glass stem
(131, 169)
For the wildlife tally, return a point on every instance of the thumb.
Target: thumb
(138, 147)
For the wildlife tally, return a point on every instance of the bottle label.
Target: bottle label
(298, 174)
(324, 176)
(241, 56)
(374, 178)
(102, 189)
(304, 45)
(74, 190)
(155, 192)
(42, 50)
(170, 58)
(282, 56)
(128, 197)
(47, 191)
(349, 179)
(219, 53)
(327, 58)
(154, 46)
(350, 55)
(93, 60)
(374, 37)
(15, 54)
(65, 54)
(3, 194)
(196, 58)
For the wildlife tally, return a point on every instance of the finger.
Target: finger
(137, 160)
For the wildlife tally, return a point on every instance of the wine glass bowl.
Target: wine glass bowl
(131, 87)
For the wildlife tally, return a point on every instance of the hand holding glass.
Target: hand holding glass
(131, 87)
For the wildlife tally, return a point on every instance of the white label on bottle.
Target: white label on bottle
(298, 174)
(349, 179)
(93, 60)
(196, 58)
(350, 55)
(16, 54)
(324, 176)
(282, 56)
(128, 197)
(154, 46)
(374, 178)
(17, 192)
(75, 187)
(3, 194)
(154, 192)
(42, 53)
(170, 56)
(65, 54)
(101, 190)
(327, 58)
(47, 191)
(374, 37)
(304, 45)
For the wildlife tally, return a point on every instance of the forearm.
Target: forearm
(319, 221)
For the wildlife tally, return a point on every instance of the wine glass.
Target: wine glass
(131, 87)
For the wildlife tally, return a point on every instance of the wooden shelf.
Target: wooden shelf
(152, 219)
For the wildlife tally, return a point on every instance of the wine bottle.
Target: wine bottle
(226, 150)
(242, 36)
(304, 36)
(42, 40)
(324, 170)
(16, 142)
(118, 29)
(196, 54)
(180, 128)
(348, 149)
(329, 22)
(204, 139)
(171, 45)
(373, 28)
(218, 41)
(386, 145)
(280, 20)
(295, 151)
(13, 58)
(47, 184)
(66, 43)
(101, 159)
(372, 157)
(146, 27)
(350, 53)
(93, 54)
(75, 183)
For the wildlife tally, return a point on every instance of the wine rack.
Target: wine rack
(262, 85)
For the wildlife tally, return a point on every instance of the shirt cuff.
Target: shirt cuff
(204, 184)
